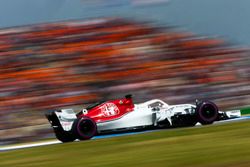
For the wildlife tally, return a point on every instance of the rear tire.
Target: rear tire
(84, 128)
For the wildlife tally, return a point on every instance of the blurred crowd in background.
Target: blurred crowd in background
(76, 63)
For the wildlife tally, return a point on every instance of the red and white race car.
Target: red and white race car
(123, 115)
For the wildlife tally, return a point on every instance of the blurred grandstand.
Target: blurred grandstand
(75, 63)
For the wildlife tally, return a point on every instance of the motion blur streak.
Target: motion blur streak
(74, 63)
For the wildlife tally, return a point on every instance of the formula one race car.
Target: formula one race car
(123, 115)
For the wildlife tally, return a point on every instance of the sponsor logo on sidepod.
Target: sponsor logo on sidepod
(110, 109)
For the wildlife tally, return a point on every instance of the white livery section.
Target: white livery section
(144, 114)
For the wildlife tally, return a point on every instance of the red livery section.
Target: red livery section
(110, 110)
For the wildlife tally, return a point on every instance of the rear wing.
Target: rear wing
(61, 119)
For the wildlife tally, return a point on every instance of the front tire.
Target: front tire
(207, 112)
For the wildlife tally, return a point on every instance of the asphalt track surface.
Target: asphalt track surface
(51, 142)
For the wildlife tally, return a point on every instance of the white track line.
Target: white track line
(45, 143)
(28, 145)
